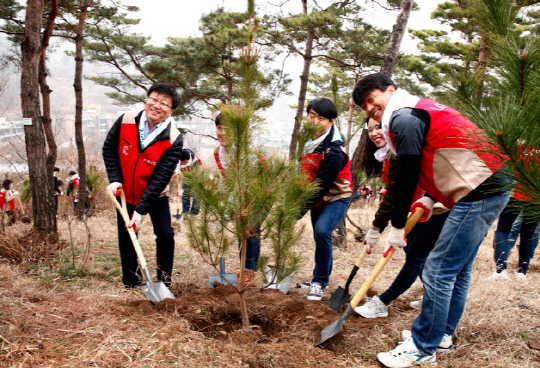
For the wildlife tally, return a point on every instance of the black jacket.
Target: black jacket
(162, 172)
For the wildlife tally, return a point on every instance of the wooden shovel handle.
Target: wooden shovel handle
(361, 258)
(411, 221)
(123, 211)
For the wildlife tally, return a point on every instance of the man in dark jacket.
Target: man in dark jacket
(325, 163)
(56, 188)
(141, 152)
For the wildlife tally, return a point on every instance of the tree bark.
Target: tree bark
(339, 236)
(42, 187)
(390, 59)
(304, 78)
(350, 118)
(46, 91)
(79, 110)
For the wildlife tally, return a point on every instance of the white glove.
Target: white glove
(396, 238)
(135, 221)
(115, 187)
(427, 204)
(372, 238)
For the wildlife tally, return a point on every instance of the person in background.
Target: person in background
(141, 151)
(504, 242)
(325, 163)
(73, 188)
(189, 161)
(433, 151)
(56, 187)
(7, 200)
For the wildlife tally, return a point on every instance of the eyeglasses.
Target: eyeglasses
(154, 101)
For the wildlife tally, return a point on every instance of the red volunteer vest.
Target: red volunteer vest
(310, 166)
(452, 165)
(3, 202)
(137, 167)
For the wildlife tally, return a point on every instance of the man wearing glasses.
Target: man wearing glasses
(141, 152)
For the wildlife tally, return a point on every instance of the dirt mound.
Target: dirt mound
(278, 321)
(33, 247)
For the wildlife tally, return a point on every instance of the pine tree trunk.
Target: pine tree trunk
(79, 110)
(390, 59)
(241, 288)
(45, 89)
(42, 186)
(304, 78)
(350, 118)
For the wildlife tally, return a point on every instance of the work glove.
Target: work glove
(115, 187)
(135, 221)
(427, 204)
(396, 238)
(372, 238)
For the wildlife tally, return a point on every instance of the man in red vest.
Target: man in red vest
(141, 152)
(442, 152)
(325, 163)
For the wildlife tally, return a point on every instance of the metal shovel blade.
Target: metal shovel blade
(274, 283)
(223, 278)
(155, 291)
(339, 299)
(337, 326)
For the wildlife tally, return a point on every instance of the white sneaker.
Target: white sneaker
(417, 304)
(445, 346)
(315, 291)
(520, 276)
(373, 308)
(503, 275)
(405, 355)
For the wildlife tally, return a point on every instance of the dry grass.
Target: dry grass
(60, 315)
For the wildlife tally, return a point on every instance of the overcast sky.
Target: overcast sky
(165, 18)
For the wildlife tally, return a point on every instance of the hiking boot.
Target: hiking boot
(445, 346)
(417, 304)
(315, 291)
(405, 355)
(503, 275)
(249, 279)
(520, 276)
(373, 308)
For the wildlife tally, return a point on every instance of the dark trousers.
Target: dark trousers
(160, 215)
(420, 242)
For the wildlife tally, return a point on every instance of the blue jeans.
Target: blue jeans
(253, 249)
(420, 242)
(187, 206)
(448, 268)
(324, 220)
(504, 241)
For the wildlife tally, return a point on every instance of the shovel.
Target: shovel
(273, 281)
(177, 216)
(222, 278)
(342, 296)
(337, 326)
(155, 291)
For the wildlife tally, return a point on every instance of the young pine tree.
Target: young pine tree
(256, 191)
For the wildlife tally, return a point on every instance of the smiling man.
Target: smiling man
(325, 163)
(141, 152)
(434, 150)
